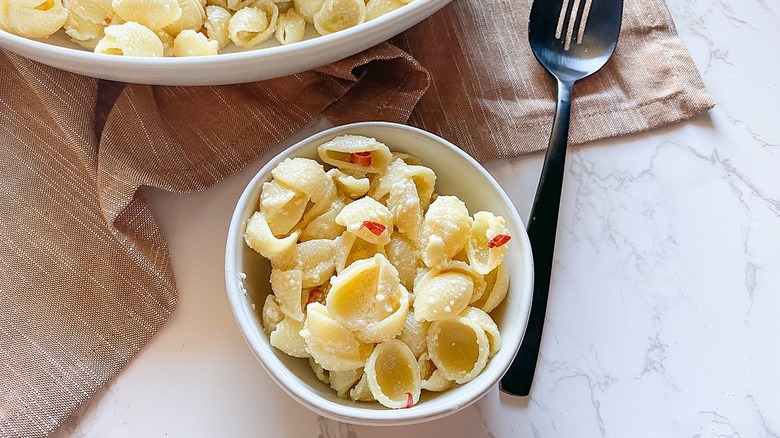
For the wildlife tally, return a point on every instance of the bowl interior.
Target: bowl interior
(457, 174)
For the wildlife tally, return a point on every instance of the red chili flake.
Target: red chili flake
(315, 296)
(374, 227)
(409, 400)
(360, 158)
(499, 240)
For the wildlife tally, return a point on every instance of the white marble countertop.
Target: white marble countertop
(663, 313)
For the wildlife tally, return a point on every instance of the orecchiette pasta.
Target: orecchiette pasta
(384, 287)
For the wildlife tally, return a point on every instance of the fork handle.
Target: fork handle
(541, 233)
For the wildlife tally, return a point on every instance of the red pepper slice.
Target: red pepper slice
(374, 227)
(315, 296)
(499, 240)
(360, 158)
(409, 400)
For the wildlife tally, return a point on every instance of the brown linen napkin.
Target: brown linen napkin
(85, 275)
(489, 96)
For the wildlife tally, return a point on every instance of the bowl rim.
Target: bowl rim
(252, 331)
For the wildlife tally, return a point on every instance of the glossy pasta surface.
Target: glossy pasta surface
(378, 280)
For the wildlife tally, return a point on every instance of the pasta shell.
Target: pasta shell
(259, 237)
(317, 261)
(445, 230)
(344, 381)
(368, 299)
(361, 391)
(330, 344)
(130, 39)
(497, 287)
(349, 185)
(283, 206)
(271, 314)
(192, 16)
(464, 268)
(486, 323)
(191, 43)
(337, 15)
(485, 227)
(404, 205)
(358, 217)
(287, 286)
(350, 249)
(322, 374)
(432, 379)
(154, 15)
(398, 170)
(459, 348)
(440, 295)
(414, 335)
(337, 153)
(403, 254)
(303, 175)
(291, 28)
(393, 375)
(287, 338)
(307, 8)
(252, 25)
(216, 24)
(324, 226)
(377, 8)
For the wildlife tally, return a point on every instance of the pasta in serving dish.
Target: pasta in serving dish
(376, 279)
(156, 28)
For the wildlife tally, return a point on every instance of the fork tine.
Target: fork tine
(583, 21)
(576, 23)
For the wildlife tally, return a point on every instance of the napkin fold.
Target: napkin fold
(85, 273)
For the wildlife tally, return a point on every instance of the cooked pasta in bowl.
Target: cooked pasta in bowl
(379, 274)
(200, 42)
